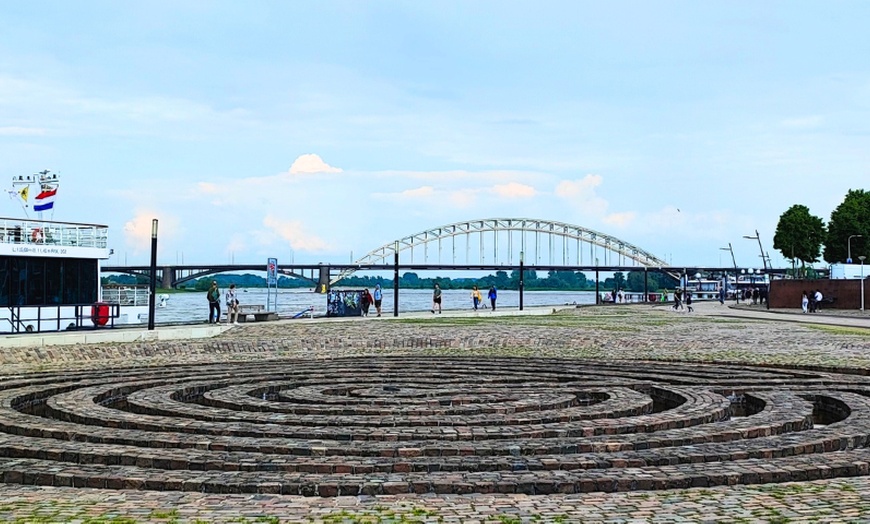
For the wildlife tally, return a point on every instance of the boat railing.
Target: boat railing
(127, 295)
(38, 319)
(47, 232)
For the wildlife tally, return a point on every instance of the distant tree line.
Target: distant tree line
(555, 280)
(801, 236)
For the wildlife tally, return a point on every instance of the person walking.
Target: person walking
(366, 300)
(232, 305)
(805, 302)
(689, 301)
(492, 295)
(436, 299)
(214, 303)
(379, 297)
(475, 297)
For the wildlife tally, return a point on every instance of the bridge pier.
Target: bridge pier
(168, 277)
(323, 280)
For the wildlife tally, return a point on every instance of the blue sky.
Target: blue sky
(676, 126)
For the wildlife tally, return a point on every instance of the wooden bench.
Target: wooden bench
(258, 311)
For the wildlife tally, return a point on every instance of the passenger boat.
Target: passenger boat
(50, 278)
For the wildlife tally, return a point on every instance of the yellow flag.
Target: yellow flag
(24, 191)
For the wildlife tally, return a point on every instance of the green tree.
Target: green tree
(799, 235)
(619, 280)
(852, 217)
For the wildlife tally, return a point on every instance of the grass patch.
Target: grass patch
(840, 330)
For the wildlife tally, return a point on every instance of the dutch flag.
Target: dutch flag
(45, 200)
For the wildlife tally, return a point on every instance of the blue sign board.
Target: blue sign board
(272, 272)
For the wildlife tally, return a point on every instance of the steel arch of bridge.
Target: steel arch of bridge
(386, 253)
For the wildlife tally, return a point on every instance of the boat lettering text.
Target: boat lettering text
(39, 250)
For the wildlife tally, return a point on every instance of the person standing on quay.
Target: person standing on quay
(214, 303)
(379, 297)
(492, 296)
(475, 297)
(366, 301)
(436, 299)
(232, 305)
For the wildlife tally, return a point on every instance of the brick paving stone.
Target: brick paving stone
(448, 419)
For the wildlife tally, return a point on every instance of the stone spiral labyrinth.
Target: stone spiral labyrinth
(391, 425)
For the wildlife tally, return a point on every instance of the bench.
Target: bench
(828, 301)
(258, 311)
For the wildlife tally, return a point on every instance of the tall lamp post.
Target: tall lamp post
(733, 261)
(861, 258)
(849, 247)
(521, 280)
(761, 249)
(153, 285)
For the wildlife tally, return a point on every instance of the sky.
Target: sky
(318, 131)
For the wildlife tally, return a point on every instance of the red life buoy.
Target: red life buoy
(100, 313)
(36, 235)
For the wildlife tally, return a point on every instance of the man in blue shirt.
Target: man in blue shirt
(379, 296)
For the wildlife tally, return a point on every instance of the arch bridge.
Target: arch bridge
(494, 241)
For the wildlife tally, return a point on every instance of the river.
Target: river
(192, 306)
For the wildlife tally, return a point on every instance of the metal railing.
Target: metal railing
(61, 317)
(127, 295)
(46, 232)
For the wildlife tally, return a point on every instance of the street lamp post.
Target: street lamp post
(861, 258)
(152, 287)
(761, 249)
(849, 247)
(733, 261)
(521, 282)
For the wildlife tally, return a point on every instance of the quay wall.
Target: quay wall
(847, 293)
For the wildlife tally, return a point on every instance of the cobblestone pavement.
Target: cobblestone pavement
(642, 338)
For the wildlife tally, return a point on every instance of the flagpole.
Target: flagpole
(23, 193)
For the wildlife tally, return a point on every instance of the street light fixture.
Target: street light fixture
(761, 249)
(733, 261)
(849, 247)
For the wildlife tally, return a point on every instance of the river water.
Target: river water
(193, 306)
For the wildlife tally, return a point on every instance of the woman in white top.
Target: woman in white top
(232, 305)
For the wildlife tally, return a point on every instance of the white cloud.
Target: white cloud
(420, 192)
(622, 219)
(806, 122)
(514, 190)
(21, 131)
(208, 187)
(311, 163)
(463, 198)
(137, 230)
(293, 232)
(582, 195)
(582, 188)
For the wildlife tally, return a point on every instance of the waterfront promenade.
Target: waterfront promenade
(648, 337)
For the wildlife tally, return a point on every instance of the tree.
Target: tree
(852, 217)
(799, 235)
